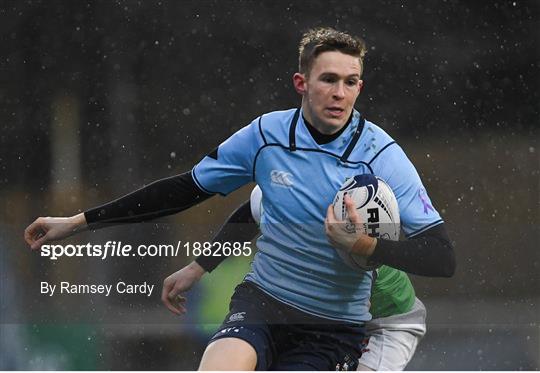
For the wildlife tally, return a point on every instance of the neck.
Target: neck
(321, 138)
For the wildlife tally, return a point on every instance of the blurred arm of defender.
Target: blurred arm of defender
(239, 227)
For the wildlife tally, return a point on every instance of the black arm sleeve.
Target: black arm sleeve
(163, 197)
(427, 254)
(239, 227)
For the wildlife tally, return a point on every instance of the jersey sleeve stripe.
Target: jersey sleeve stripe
(369, 166)
(200, 185)
(261, 131)
(417, 232)
(380, 151)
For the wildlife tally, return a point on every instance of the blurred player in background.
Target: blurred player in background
(298, 308)
(399, 318)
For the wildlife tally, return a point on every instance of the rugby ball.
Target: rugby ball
(378, 209)
(255, 201)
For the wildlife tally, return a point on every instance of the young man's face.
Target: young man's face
(330, 90)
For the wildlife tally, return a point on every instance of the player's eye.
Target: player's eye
(328, 79)
(352, 82)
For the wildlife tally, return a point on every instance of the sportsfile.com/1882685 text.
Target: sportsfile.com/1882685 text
(117, 249)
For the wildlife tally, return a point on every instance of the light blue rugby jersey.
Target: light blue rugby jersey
(299, 179)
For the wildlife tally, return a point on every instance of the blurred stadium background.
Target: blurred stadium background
(98, 98)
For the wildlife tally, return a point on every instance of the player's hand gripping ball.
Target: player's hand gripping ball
(378, 209)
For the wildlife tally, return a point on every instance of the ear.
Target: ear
(299, 82)
(360, 86)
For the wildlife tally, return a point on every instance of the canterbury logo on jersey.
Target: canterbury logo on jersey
(239, 316)
(281, 178)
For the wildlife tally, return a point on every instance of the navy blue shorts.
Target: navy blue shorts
(286, 338)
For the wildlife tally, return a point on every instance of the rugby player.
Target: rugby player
(299, 307)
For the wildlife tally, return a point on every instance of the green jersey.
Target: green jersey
(392, 293)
